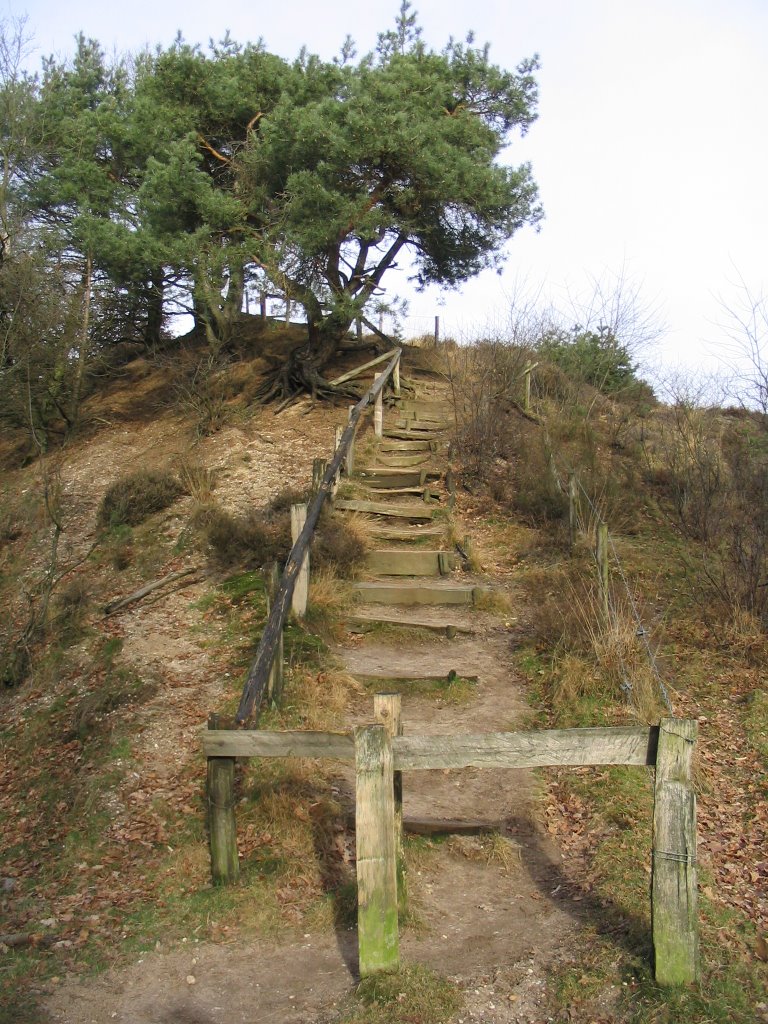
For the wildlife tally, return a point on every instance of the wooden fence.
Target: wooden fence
(381, 754)
(304, 524)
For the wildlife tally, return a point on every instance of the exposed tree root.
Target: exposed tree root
(296, 377)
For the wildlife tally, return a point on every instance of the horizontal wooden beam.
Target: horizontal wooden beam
(351, 374)
(261, 743)
(544, 748)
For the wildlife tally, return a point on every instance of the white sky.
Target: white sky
(650, 150)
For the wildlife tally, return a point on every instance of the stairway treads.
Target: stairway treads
(404, 461)
(376, 508)
(407, 446)
(414, 562)
(388, 477)
(404, 533)
(426, 493)
(365, 623)
(415, 593)
(397, 434)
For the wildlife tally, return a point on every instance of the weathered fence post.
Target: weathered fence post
(377, 924)
(222, 828)
(301, 590)
(349, 465)
(602, 566)
(388, 711)
(319, 467)
(528, 370)
(337, 435)
(573, 508)
(673, 894)
(378, 410)
(437, 330)
(396, 378)
(275, 681)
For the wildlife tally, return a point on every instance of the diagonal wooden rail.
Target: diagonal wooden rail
(255, 684)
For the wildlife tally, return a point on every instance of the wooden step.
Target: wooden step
(415, 593)
(404, 461)
(407, 446)
(404, 533)
(398, 434)
(408, 423)
(418, 562)
(426, 493)
(365, 623)
(388, 477)
(375, 508)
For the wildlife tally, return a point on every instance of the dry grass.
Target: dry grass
(198, 481)
(492, 848)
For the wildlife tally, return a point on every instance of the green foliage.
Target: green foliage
(133, 498)
(176, 179)
(595, 357)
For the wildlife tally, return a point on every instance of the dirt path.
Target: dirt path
(491, 913)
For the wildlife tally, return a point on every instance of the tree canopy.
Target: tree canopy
(172, 180)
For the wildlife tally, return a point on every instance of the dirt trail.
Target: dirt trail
(491, 914)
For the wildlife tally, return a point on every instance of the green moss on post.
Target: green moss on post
(222, 827)
(673, 896)
(377, 919)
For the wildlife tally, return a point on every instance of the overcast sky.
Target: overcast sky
(650, 150)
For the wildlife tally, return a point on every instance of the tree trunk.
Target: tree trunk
(155, 293)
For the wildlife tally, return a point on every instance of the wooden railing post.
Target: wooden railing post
(387, 709)
(275, 681)
(349, 466)
(673, 895)
(222, 828)
(319, 467)
(337, 435)
(378, 410)
(377, 922)
(528, 370)
(396, 378)
(301, 590)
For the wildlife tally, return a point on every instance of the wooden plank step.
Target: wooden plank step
(426, 493)
(400, 677)
(415, 593)
(388, 477)
(397, 434)
(404, 461)
(404, 533)
(442, 826)
(418, 562)
(365, 623)
(411, 423)
(408, 446)
(375, 508)
(416, 405)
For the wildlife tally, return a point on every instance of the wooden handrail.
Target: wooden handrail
(255, 684)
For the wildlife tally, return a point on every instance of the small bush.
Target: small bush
(284, 499)
(70, 607)
(250, 540)
(340, 546)
(133, 498)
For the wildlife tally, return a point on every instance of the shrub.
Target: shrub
(340, 546)
(250, 540)
(133, 498)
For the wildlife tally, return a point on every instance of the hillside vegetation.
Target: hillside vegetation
(175, 469)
